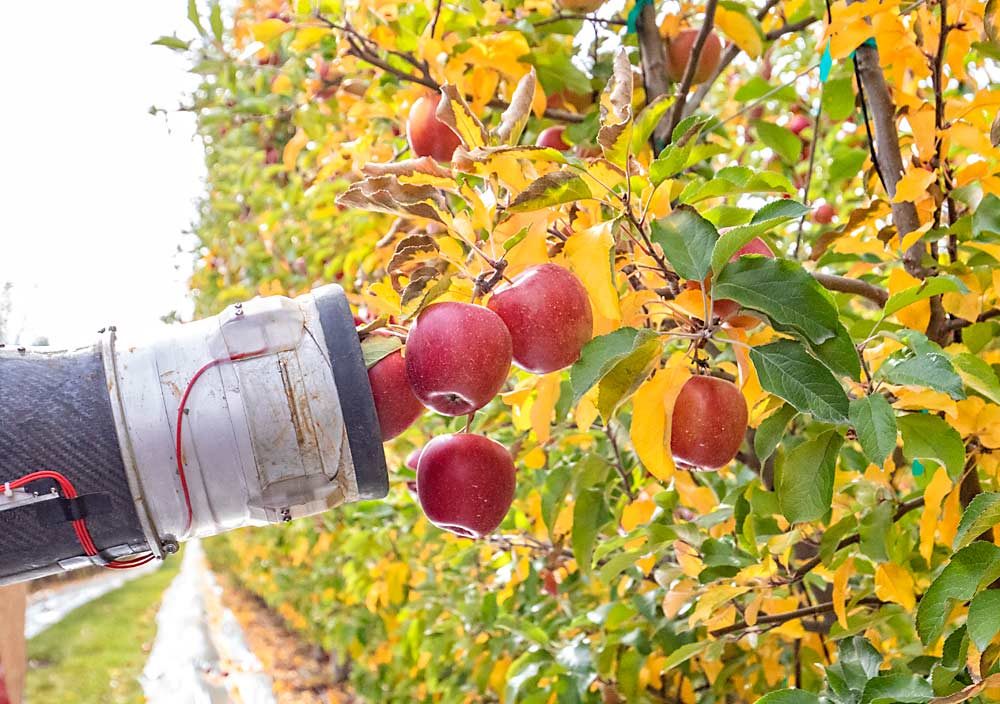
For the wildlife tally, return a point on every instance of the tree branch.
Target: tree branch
(692, 66)
(844, 284)
(771, 619)
(653, 62)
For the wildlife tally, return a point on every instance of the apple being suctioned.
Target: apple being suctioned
(552, 137)
(708, 422)
(458, 357)
(428, 136)
(679, 49)
(395, 403)
(547, 311)
(465, 483)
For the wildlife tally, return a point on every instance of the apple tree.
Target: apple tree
(753, 419)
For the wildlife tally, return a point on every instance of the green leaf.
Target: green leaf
(986, 219)
(786, 370)
(838, 98)
(647, 120)
(899, 687)
(626, 376)
(771, 430)
(983, 620)
(375, 348)
(932, 370)
(928, 437)
(978, 375)
(933, 286)
(982, 513)
(857, 662)
(804, 477)
(970, 568)
(846, 163)
(839, 353)
(215, 20)
(874, 532)
(671, 161)
(684, 653)
(687, 240)
(783, 291)
(764, 220)
(789, 696)
(556, 72)
(600, 355)
(875, 423)
(172, 43)
(554, 188)
(193, 16)
(588, 515)
(780, 139)
(978, 335)
(728, 183)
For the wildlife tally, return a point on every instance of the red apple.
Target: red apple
(823, 214)
(708, 422)
(465, 483)
(429, 136)
(552, 137)
(395, 403)
(754, 246)
(547, 311)
(457, 357)
(798, 123)
(679, 54)
(413, 459)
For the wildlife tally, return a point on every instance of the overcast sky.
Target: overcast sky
(95, 193)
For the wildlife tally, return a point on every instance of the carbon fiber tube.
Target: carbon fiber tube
(55, 414)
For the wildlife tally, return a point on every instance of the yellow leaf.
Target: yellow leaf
(282, 84)
(293, 148)
(638, 512)
(913, 185)
(741, 29)
(916, 315)
(894, 583)
(269, 29)
(935, 492)
(547, 390)
(950, 516)
(648, 432)
(307, 37)
(840, 578)
(535, 459)
(589, 257)
(586, 411)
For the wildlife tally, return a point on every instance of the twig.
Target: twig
(692, 66)
(562, 16)
(769, 619)
(437, 15)
(844, 284)
(938, 82)
(619, 465)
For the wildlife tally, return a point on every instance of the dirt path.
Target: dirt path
(200, 656)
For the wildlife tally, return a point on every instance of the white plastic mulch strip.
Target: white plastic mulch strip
(50, 606)
(199, 655)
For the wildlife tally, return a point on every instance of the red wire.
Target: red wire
(79, 526)
(178, 443)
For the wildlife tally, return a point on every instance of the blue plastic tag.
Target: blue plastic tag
(825, 64)
(633, 17)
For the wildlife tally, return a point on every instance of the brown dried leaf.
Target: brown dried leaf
(408, 248)
(407, 167)
(615, 134)
(515, 117)
(551, 189)
(995, 132)
(385, 194)
(855, 220)
(455, 112)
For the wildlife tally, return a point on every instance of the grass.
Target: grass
(96, 654)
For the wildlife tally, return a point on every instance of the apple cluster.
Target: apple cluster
(456, 360)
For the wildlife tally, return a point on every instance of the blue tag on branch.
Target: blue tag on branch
(632, 21)
(918, 468)
(825, 64)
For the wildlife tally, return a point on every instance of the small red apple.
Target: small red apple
(679, 54)
(429, 136)
(754, 246)
(823, 214)
(465, 483)
(547, 311)
(457, 357)
(798, 123)
(708, 422)
(552, 137)
(395, 403)
(413, 459)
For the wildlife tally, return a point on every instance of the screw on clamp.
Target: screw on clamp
(170, 545)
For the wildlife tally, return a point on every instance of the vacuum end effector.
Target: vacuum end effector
(261, 414)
